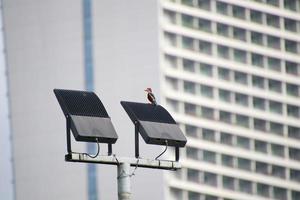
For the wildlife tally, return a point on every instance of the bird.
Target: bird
(151, 96)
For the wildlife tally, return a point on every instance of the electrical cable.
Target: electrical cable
(163, 151)
(136, 166)
(89, 155)
(123, 174)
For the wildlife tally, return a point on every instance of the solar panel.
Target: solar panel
(89, 119)
(156, 125)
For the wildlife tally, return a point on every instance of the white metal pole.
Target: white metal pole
(124, 192)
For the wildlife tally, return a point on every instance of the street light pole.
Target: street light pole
(124, 190)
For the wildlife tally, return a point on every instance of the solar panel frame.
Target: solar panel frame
(89, 120)
(156, 125)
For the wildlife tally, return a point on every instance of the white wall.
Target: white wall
(126, 62)
(44, 51)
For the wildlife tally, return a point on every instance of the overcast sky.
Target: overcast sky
(5, 153)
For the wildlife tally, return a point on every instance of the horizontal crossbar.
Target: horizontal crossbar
(114, 160)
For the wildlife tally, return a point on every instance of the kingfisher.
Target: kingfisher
(151, 96)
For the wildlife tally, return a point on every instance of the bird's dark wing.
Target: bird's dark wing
(151, 98)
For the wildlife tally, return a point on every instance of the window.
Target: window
(242, 120)
(291, 46)
(187, 43)
(170, 16)
(210, 179)
(204, 25)
(207, 113)
(225, 116)
(294, 132)
(295, 195)
(193, 196)
(278, 171)
(263, 189)
(176, 193)
(205, 47)
(290, 25)
(256, 16)
(245, 186)
(223, 29)
(192, 153)
(209, 156)
(274, 85)
(172, 82)
(274, 64)
(226, 138)
(290, 5)
(257, 38)
(261, 146)
(257, 60)
(273, 2)
(244, 164)
(228, 182)
(224, 95)
(224, 73)
(277, 150)
(238, 12)
(292, 90)
(273, 42)
(223, 51)
(204, 4)
(259, 124)
(190, 109)
(240, 55)
(292, 68)
(276, 128)
(261, 168)
(170, 39)
(293, 111)
(193, 175)
(206, 91)
(279, 193)
(241, 99)
(191, 131)
(206, 69)
(188, 65)
(239, 34)
(294, 154)
(243, 142)
(227, 160)
(222, 8)
(173, 105)
(258, 82)
(208, 134)
(189, 87)
(187, 2)
(259, 103)
(273, 20)
(295, 175)
(275, 107)
(171, 61)
(240, 77)
(210, 197)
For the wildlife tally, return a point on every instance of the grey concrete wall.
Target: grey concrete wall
(44, 51)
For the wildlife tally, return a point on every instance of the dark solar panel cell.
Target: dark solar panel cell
(83, 103)
(147, 112)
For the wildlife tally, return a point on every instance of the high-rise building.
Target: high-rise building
(231, 76)
(106, 46)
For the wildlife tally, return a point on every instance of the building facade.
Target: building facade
(231, 77)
